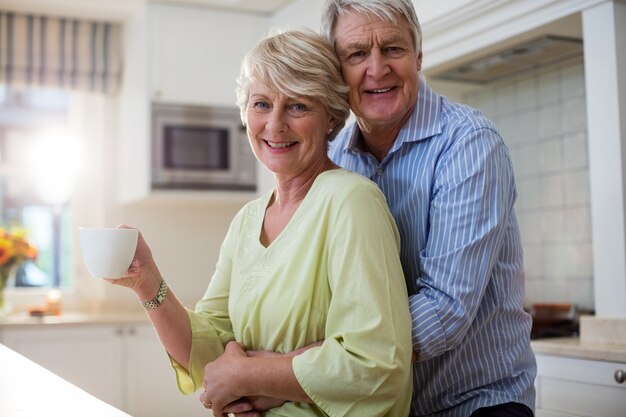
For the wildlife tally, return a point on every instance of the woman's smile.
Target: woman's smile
(279, 145)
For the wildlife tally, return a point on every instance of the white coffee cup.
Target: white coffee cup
(107, 252)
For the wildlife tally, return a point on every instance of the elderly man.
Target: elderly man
(448, 180)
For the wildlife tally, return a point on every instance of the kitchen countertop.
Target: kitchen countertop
(27, 389)
(563, 346)
(69, 318)
(574, 347)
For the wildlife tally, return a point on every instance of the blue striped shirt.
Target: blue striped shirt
(449, 183)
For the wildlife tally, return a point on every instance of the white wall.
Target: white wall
(543, 122)
(299, 13)
(604, 28)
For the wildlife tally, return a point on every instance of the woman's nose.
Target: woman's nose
(276, 122)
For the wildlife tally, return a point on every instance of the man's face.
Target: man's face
(381, 67)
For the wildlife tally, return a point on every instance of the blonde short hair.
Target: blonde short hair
(296, 63)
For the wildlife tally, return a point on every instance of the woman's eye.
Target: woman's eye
(260, 105)
(297, 108)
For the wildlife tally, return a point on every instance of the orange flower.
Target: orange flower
(14, 247)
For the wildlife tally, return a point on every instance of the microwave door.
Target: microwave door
(196, 149)
(197, 156)
(201, 151)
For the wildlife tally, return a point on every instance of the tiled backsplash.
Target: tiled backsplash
(543, 122)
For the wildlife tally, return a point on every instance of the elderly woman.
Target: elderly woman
(316, 259)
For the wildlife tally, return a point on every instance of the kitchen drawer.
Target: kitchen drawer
(579, 387)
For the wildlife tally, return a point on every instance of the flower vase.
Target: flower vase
(2, 284)
(6, 273)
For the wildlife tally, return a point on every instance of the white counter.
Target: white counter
(574, 347)
(70, 318)
(567, 346)
(27, 389)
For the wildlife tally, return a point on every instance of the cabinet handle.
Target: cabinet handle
(620, 376)
(132, 331)
(119, 331)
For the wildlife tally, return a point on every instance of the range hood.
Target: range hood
(529, 56)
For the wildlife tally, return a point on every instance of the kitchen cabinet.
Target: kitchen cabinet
(58, 398)
(195, 53)
(81, 355)
(122, 364)
(573, 387)
(176, 55)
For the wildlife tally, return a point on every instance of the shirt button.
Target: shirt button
(379, 171)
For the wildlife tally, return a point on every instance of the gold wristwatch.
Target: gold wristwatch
(158, 299)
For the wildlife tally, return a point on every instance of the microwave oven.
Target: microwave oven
(204, 148)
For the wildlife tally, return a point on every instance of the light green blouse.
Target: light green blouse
(334, 274)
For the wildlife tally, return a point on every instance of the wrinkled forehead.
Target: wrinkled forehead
(355, 29)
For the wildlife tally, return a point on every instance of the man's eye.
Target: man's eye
(354, 57)
(393, 50)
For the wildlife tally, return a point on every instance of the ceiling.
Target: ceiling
(263, 6)
(120, 9)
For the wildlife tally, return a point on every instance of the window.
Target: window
(32, 194)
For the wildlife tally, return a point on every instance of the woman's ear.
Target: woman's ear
(331, 126)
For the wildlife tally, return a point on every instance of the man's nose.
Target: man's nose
(377, 66)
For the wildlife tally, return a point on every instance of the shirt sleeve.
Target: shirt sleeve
(473, 198)
(364, 365)
(211, 328)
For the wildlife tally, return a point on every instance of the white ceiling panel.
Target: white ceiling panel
(120, 9)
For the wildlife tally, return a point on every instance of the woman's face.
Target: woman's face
(288, 135)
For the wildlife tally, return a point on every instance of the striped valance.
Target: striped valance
(61, 53)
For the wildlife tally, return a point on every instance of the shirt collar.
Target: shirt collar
(423, 123)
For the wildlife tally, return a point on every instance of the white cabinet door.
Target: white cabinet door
(195, 54)
(579, 388)
(87, 356)
(543, 413)
(152, 390)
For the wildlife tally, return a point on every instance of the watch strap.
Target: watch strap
(158, 298)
